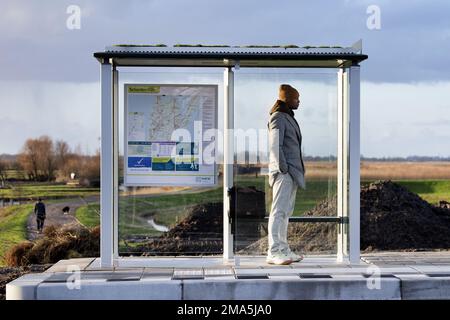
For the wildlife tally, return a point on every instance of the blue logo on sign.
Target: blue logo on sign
(139, 162)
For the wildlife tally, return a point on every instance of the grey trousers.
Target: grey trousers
(283, 202)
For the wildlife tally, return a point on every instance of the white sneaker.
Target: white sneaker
(279, 259)
(295, 257)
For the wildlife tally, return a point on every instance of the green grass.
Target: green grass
(316, 191)
(13, 227)
(88, 215)
(166, 210)
(45, 190)
(15, 174)
(430, 190)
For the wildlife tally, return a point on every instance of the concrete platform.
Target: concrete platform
(387, 275)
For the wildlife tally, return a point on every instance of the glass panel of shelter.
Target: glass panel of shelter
(256, 91)
(167, 220)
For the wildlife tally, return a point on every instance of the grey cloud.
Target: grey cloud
(412, 44)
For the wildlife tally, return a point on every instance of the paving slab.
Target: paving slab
(188, 274)
(157, 273)
(72, 264)
(125, 276)
(431, 269)
(208, 272)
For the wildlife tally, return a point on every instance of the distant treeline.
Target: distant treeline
(381, 159)
(409, 159)
(43, 159)
(245, 157)
(388, 159)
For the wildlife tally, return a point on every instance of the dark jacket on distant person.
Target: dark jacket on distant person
(39, 210)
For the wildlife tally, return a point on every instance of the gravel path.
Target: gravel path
(55, 215)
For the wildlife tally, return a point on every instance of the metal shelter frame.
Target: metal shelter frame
(345, 60)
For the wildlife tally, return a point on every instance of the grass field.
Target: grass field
(13, 227)
(316, 190)
(430, 190)
(46, 191)
(88, 215)
(376, 170)
(15, 174)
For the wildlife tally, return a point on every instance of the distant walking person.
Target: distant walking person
(39, 211)
(286, 173)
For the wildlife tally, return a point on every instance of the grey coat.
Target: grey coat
(285, 133)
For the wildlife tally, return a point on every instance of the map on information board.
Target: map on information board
(164, 129)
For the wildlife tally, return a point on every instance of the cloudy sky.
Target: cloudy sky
(49, 81)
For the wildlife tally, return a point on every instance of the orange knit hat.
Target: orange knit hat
(288, 94)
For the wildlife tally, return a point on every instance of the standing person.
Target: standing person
(286, 173)
(39, 211)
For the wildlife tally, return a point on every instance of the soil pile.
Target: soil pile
(393, 218)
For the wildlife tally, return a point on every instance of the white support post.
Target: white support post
(345, 154)
(228, 125)
(354, 157)
(341, 243)
(106, 169)
(342, 166)
(115, 164)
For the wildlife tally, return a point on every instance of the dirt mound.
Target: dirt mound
(56, 244)
(393, 218)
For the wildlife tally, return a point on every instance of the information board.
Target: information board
(165, 126)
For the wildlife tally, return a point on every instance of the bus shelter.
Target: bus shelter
(344, 61)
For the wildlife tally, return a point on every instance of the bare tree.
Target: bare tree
(90, 171)
(3, 172)
(29, 158)
(18, 169)
(48, 159)
(62, 152)
(38, 158)
(63, 157)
